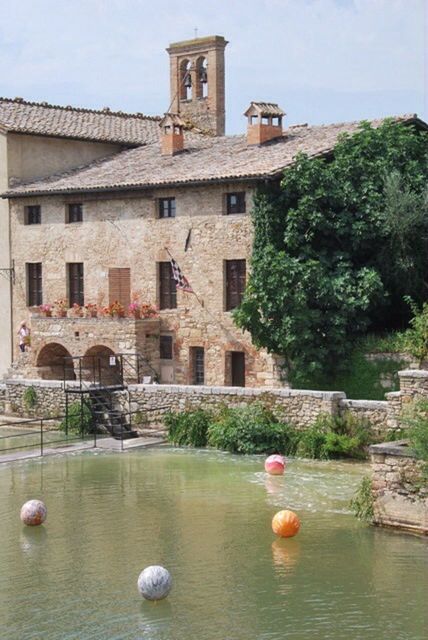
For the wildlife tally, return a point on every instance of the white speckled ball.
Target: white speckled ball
(154, 583)
(33, 513)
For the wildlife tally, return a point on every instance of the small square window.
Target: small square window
(166, 207)
(165, 347)
(235, 202)
(33, 214)
(75, 212)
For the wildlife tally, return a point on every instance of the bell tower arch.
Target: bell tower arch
(197, 81)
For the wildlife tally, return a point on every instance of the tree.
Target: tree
(337, 245)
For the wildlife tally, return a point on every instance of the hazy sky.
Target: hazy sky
(321, 60)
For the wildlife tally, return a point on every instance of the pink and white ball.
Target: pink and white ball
(275, 465)
(33, 513)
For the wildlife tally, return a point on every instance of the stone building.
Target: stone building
(128, 193)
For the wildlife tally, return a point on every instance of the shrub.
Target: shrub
(29, 398)
(362, 502)
(188, 428)
(416, 338)
(251, 430)
(335, 437)
(79, 422)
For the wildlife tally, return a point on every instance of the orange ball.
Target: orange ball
(285, 524)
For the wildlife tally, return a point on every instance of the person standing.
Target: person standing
(24, 336)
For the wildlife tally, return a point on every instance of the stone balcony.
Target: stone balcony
(53, 339)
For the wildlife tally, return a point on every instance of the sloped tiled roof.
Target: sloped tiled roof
(41, 118)
(203, 160)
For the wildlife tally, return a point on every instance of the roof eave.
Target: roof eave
(12, 195)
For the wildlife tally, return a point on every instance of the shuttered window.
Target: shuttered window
(33, 214)
(119, 285)
(75, 213)
(198, 365)
(75, 283)
(34, 284)
(167, 288)
(235, 283)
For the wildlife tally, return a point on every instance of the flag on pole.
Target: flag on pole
(181, 282)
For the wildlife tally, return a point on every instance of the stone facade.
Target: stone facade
(399, 492)
(25, 157)
(127, 232)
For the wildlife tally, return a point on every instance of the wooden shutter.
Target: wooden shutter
(34, 284)
(167, 288)
(235, 283)
(119, 285)
(75, 283)
(238, 369)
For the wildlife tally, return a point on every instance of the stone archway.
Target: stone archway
(54, 362)
(99, 365)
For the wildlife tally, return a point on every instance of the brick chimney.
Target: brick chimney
(172, 136)
(264, 122)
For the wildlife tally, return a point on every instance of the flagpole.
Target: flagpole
(201, 302)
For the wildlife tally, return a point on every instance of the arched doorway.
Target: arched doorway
(54, 362)
(101, 366)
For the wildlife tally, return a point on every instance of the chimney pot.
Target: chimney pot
(172, 136)
(264, 122)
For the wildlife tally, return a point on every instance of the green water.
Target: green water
(206, 517)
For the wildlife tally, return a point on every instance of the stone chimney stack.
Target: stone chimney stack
(172, 136)
(264, 122)
(197, 80)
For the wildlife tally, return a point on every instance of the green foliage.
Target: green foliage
(30, 398)
(335, 437)
(251, 429)
(336, 248)
(79, 422)
(363, 377)
(254, 429)
(362, 502)
(416, 337)
(417, 421)
(188, 428)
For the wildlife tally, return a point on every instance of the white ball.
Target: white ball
(33, 513)
(154, 583)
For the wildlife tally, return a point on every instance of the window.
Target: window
(34, 284)
(119, 286)
(235, 202)
(235, 283)
(75, 213)
(197, 364)
(75, 283)
(167, 288)
(33, 214)
(165, 347)
(166, 207)
(237, 364)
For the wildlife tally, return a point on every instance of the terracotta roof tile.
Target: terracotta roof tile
(202, 160)
(41, 118)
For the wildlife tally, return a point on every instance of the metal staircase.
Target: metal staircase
(97, 379)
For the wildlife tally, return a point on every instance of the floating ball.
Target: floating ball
(154, 583)
(33, 513)
(275, 465)
(285, 524)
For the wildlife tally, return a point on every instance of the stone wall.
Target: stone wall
(129, 234)
(413, 386)
(298, 407)
(399, 492)
(2, 398)
(374, 411)
(50, 398)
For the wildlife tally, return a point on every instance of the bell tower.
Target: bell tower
(197, 80)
